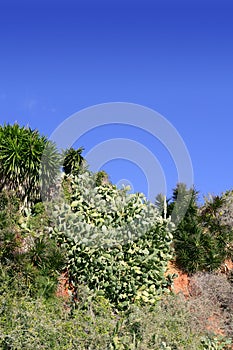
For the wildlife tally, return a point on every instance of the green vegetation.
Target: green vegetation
(73, 161)
(29, 163)
(115, 243)
(202, 238)
(113, 249)
(30, 260)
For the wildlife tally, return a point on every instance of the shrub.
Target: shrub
(45, 324)
(115, 242)
(9, 230)
(30, 260)
(211, 301)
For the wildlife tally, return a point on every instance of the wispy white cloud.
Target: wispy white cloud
(30, 104)
(49, 109)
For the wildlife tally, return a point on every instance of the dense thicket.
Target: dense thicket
(112, 248)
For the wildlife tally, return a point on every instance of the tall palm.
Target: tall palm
(28, 161)
(73, 161)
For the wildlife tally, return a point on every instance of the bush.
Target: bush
(45, 324)
(30, 260)
(115, 243)
(9, 230)
(211, 300)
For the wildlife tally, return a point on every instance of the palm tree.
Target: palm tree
(216, 217)
(73, 161)
(198, 245)
(29, 163)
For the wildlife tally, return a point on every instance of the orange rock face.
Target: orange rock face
(181, 285)
(63, 287)
(181, 282)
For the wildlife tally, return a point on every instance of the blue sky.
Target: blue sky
(176, 57)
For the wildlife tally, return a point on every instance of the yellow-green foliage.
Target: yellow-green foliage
(115, 242)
